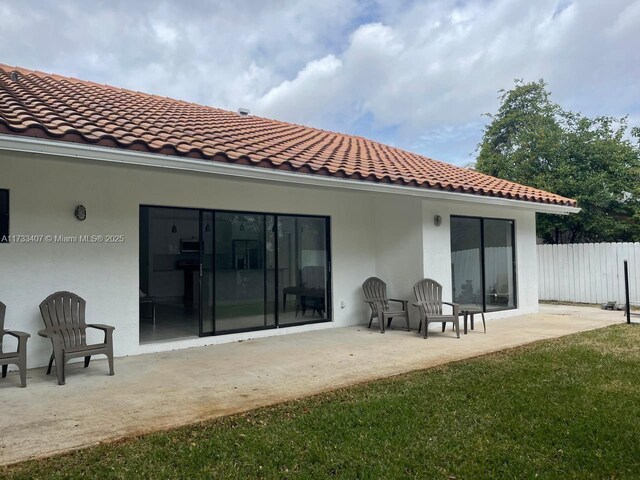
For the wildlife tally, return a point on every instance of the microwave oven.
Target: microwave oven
(189, 245)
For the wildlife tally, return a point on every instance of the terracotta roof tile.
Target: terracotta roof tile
(67, 109)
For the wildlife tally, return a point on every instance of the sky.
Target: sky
(414, 74)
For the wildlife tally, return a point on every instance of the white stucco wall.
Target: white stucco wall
(381, 235)
(45, 192)
(437, 260)
(409, 247)
(398, 246)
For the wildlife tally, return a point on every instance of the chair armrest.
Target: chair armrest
(107, 329)
(100, 326)
(404, 302)
(455, 306)
(373, 302)
(377, 306)
(21, 336)
(421, 309)
(17, 334)
(55, 337)
(47, 333)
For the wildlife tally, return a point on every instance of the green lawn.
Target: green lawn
(566, 408)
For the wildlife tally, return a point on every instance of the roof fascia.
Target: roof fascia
(130, 157)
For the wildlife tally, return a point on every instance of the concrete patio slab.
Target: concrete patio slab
(164, 390)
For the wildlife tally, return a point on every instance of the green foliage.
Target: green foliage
(533, 141)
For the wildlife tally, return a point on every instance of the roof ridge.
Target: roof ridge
(57, 76)
(8, 68)
(27, 71)
(90, 112)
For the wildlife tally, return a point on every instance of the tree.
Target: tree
(533, 141)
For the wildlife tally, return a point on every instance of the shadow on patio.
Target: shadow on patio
(164, 390)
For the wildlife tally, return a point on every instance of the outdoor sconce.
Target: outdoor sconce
(437, 220)
(81, 213)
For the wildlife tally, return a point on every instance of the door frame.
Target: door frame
(514, 262)
(276, 325)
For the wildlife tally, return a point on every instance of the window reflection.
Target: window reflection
(482, 262)
(302, 258)
(240, 300)
(498, 260)
(466, 257)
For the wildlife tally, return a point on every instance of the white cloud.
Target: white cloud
(165, 33)
(433, 70)
(298, 99)
(418, 75)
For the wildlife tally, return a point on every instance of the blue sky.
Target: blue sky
(415, 74)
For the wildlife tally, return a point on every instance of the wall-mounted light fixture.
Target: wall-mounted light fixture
(81, 213)
(437, 220)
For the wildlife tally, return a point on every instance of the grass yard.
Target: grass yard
(565, 408)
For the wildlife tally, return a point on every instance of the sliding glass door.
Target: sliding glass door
(466, 260)
(241, 274)
(262, 271)
(483, 262)
(303, 268)
(499, 261)
(170, 272)
(207, 272)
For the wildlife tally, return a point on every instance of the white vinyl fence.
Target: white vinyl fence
(588, 272)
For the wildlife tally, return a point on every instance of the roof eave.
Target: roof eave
(112, 155)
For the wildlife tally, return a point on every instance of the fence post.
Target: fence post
(626, 292)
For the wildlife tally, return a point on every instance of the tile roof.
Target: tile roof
(60, 108)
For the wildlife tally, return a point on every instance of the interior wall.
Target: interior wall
(165, 280)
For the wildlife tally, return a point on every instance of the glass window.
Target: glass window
(207, 276)
(482, 262)
(302, 262)
(498, 265)
(240, 272)
(4, 216)
(207, 272)
(170, 270)
(271, 268)
(466, 260)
